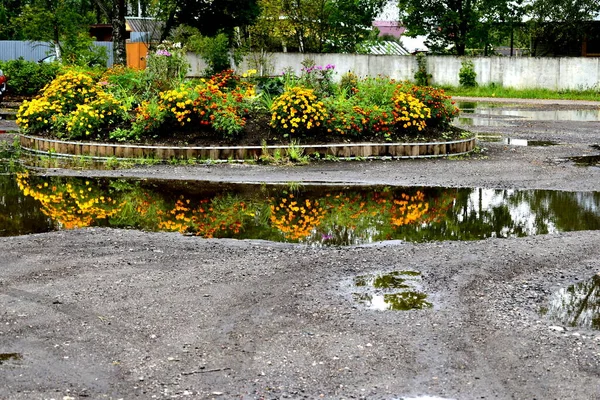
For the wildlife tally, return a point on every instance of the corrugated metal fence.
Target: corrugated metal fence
(35, 51)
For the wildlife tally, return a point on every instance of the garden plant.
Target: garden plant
(151, 106)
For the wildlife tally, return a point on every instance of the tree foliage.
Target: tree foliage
(60, 22)
(454, 25)
(556, 25)
(315, 25)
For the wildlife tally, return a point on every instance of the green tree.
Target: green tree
(9, 11)
(209, 17)
(315, 25)
(54, 21)
(453, 25)
(556, 25)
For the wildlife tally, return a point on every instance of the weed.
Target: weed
(295, 153)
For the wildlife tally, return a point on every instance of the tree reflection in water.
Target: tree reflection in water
(577, 305)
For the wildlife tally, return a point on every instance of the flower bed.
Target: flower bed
(121, 105)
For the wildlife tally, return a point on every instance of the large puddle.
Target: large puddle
(496, 115)
(577, 305)
(316, 215)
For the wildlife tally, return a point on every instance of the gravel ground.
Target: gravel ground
(103, 313)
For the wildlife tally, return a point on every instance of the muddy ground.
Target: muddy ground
(101, 313)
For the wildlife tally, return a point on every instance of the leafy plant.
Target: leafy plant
(28, 77)
(297, 111)
(167, 66)
(467, 76)
(422, 77)
(318, 78)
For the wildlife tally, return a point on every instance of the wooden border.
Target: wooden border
(105, 151)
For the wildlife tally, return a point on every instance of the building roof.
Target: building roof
(143, 29)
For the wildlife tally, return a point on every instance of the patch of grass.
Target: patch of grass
(493, 90)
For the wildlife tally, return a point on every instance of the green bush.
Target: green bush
(215, 51)
(467, 75)
(27, 78)
(422, 78)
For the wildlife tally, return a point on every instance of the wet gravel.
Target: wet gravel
(104, 313)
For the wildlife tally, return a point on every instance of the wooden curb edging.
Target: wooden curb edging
(105, 151)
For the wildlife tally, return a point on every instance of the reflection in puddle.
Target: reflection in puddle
(506, 112)
(577, 305)
(515, 142)
(311, 214)
(397, 291)
(530, 143)
(482, 121)
(4, 357)
(495, 115)
(586, 161)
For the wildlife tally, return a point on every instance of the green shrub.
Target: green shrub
(441, 105)
(297, 111)
(167, 66)
(27, 78)
(215, 51)
(348, 83)
(422, 77)
(467, 75)
(318, 78)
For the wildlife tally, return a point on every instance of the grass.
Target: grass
(493, 90)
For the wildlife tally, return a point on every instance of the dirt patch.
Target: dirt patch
(102, 313)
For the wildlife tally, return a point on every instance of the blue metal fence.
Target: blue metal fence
(35, 51)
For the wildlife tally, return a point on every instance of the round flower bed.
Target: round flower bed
(122, 113)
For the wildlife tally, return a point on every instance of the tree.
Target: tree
(54, 21)
(9, 12)
(114, 11)
(452, 25)
(556, 25)
(210, 17)
(315, 25)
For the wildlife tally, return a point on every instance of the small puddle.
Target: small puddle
(577, 305)
(396, 291)
(530, 143)
(8, 116)
(482, 121)
(488, 138)
(586, 161)
(4, 357)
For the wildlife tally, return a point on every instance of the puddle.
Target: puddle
(505, 115)
(483, 121)
(530, 143)
(4, 357)
(311, 214)
(586, 161)
(395, 291)
(8, 116)
(577, 305)
(424, 398)
(515, 142)
(505, 111)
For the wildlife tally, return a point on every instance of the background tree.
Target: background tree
(9, 11)
(556, 26)
(210, 17)
(315, 25)
(56, 21)
(452, 25)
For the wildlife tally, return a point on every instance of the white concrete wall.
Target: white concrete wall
(516, 72)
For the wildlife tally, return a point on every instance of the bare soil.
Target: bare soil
(102, 313)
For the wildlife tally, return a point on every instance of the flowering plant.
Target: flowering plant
(318, 78)
(297, 111)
